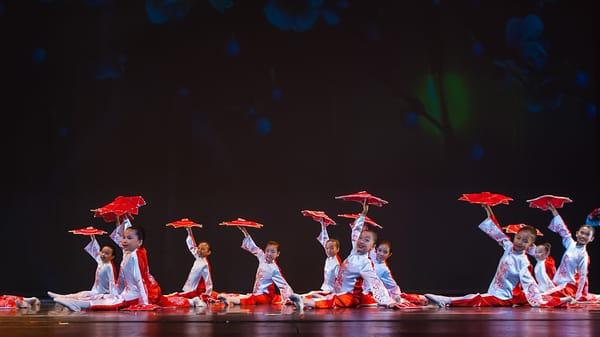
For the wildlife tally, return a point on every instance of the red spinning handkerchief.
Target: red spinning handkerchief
(515, 228)
(88, 231)
(242, 223)
(119, 207)
(319, 216)
(485, 198)
(356, 216)
(184, 223)
(362, 197)
(542, 202)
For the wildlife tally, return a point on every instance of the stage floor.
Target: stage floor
(274, 321)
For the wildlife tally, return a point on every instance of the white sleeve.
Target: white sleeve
(557, 225)
(208, 280)
(531, 250)
(119, 232)
(495, 232)
(530, 288)
(357, 230)
(582, 270)
(284, 288)
(323, 236)
(390, 284)
(93, 248)
(380, 293)
(249, 245)
(372, 254)
(191, 244)
(137, 275)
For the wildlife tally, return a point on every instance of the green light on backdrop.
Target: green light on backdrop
(457, 100)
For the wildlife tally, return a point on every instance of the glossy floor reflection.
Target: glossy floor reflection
(218, 320)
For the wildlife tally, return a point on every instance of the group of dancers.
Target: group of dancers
(363, 278)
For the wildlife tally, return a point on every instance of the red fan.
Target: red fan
(184, 223)
(242, 223)
(363, 196)
(319, 216)
(356, 216)
(542, 202)
(119, 207)
(514, 229)
(88, 231)
(142, 307)
(486, 198)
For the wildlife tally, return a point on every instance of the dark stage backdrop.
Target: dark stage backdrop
(214, 110)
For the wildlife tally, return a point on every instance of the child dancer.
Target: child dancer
(199, 281)
(545, 268)
(135, 284)
(356, 269)
(379, 257)
(105, 279)
(513, 269)
(572, 274)
(332, 262)
(268, 275)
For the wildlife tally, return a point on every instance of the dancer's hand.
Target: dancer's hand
(244, 231)
(365, 208)
(552, 209)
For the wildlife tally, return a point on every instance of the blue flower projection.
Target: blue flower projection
(582, 79)
(263, 126)
(477, 152)
(302, 15)
(221, 5)
(163, 11)
(63, 131)
(183, 92)
(277, 94)
(106, 72)
(411, 118)
(39, 55)
(524, 35)
(232, 47)
(592, 110)
(534, 106)
(478, 49)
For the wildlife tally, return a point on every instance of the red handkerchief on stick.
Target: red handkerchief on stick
(363, 196)
(184, 223)
(319, 216)
(356, 216)
(515, 228)
(119, 207)
(485, 198)
(542, 202)
(88, 231)
(242, 223)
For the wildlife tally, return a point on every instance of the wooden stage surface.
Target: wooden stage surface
(218, 320)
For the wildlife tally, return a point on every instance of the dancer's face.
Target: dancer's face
(584, 235)
(131, 241)
(331, 248)
(365, 242)
(541, 252)
(106, 254)
(383, 252)
(522, 241)
(203, 249)
(271, 253)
